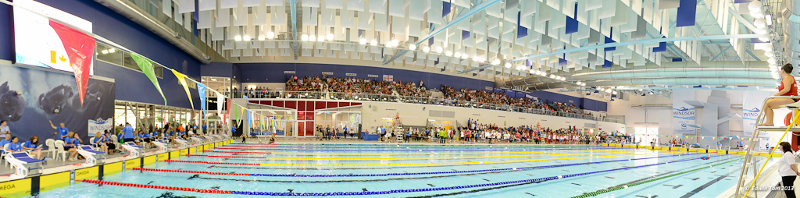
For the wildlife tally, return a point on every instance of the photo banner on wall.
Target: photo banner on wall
(80, 50)
(201, 91)
(29, 103)
(146, 65)
(683, 114)
(182, 80)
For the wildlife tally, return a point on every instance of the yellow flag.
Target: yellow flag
(182, 80)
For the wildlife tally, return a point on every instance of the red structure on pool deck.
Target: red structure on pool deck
(305, 111)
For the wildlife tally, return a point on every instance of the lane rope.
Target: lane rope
(393, 164)
(385, 192)
(395, 158)
(397, 174)
(435, 153)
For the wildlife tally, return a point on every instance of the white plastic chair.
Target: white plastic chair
(59, 144)
(3, 155)
(51, 148)
(115, 141)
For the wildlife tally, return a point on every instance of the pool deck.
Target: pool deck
(58, 166)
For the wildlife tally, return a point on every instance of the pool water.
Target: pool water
(386, 170)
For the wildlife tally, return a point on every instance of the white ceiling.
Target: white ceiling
(487, 43)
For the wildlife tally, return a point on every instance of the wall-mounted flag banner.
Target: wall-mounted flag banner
(80, 50)
(182, 80)
(683, 114)
(146, 65)
(201, 91)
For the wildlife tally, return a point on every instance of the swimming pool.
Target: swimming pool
(369, 170)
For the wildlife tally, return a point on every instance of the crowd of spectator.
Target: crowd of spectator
(476, 132)
(345, 88)
(355, 85)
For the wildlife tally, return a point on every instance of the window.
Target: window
(113, 55)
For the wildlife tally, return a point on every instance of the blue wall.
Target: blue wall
(130, 85)
(273, 73)
(6, 33)
(134, 86)
(217, 69)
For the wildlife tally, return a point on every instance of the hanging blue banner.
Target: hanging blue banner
(201, 90)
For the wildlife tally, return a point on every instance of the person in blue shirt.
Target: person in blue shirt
(61, 129)
(127, 133)
(145, 137)
(14, 145)
(71, 144)
(100, 141)
(5, 141)
(33, 146)
(109, 142)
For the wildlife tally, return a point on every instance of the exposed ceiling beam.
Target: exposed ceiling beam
(293, 11)
(472, 11)
(637, 42)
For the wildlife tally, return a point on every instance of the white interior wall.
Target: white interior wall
(656, 111)
(418, 114)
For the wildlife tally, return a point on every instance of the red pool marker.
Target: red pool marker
(219, 163)
(157, 187)
(189, 171)
(239, 152)
(216, 156)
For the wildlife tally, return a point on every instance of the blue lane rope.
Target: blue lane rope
(445, 188)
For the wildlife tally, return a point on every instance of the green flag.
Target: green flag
(146, 65)
(235, 112)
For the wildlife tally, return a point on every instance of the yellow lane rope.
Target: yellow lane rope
(437, 157)
(444, 153)
(445, 163)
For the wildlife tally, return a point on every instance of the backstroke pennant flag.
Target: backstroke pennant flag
(182, 80)
(249, 118)
(228, 108)
(220, 102)
(235, 112)
(146, 65)
(80, 50)
(201, 91)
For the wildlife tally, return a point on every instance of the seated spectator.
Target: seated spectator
(33, 147)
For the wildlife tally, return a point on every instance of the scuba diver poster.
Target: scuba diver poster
(32, 98)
